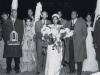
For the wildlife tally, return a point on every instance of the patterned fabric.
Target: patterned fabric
(28, 61)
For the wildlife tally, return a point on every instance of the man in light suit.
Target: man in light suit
(41, 54)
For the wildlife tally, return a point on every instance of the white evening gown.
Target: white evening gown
(54, 58)
(53, 62)
(90, 64)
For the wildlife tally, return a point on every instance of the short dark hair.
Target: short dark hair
(45, 12)
(75, 11)
(4, 13)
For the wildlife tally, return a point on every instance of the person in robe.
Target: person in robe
(41, 52)
(97, 32)
(12, 31)
(90, 64)
(97, 40)
(77, 45)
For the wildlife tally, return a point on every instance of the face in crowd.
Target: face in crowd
(55, 20)
(30, 12)
(44, 15)
(88, 17)
(60, 14)
(74, 15)
(14, 13)
(28, 22)
(5, 16)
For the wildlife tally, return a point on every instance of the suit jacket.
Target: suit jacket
(7, 28)
(38, 27)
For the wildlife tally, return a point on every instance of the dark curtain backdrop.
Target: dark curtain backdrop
(52, 6)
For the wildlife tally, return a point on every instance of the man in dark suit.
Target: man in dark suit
(77, 45)
(12, 31)
(41, 56)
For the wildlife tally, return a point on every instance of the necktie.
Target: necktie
(72, 26)
(13, 20)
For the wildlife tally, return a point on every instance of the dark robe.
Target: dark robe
(97, 40)
(7, 28)
(41, 58)
(79, 38)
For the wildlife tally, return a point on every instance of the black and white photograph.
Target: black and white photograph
(49, 37)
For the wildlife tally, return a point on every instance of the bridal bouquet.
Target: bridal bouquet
(52, 35)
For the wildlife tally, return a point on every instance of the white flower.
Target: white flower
(45, 30)
(68, 32)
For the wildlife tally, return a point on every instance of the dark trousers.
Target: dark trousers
(71, 55)
(79, 67)
(97, 50)
(9, 61)
(99, 64)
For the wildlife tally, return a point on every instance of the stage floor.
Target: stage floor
(64, 72)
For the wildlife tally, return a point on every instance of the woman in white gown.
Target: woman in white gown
(54, 56)
(54, 48)
(90, 64)
(28, 61)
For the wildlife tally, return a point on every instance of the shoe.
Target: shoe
(17, 71)
(37, 72)
(73, 71)
(8, 71)
(78, 73)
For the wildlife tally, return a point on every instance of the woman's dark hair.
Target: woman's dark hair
(91, 18)
(90, 15)
(58, 20)
(28, 18)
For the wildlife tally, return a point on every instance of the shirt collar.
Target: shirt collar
(74, 20)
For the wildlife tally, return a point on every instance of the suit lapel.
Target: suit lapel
(16, 24)
(76, 24)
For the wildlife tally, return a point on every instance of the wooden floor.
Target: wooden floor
(63, 72)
